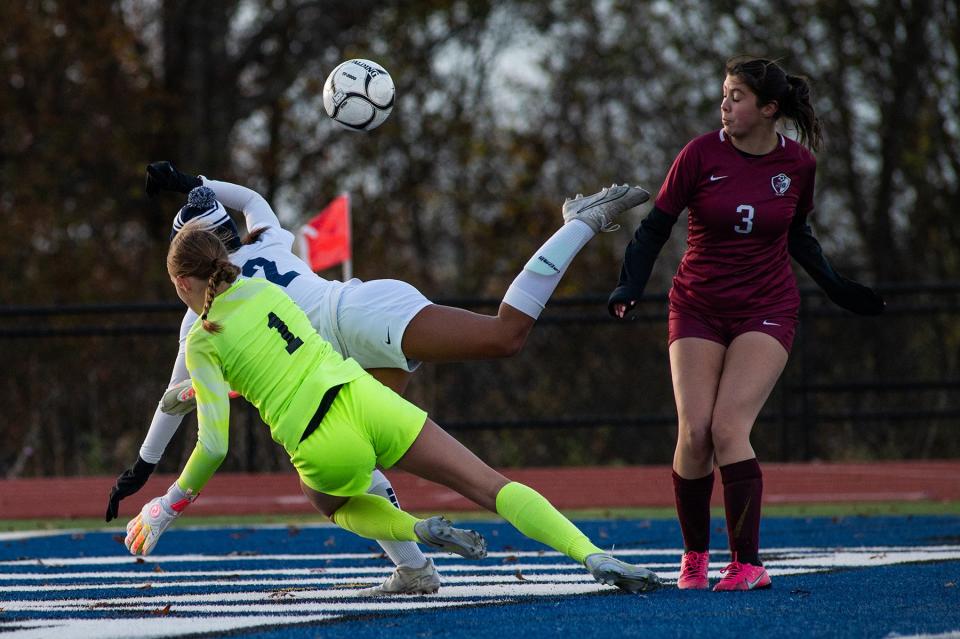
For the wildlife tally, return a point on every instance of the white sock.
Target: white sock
(402, 553)
(531, 289)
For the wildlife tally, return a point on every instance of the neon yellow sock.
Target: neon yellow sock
(374, 517)
(535, 517)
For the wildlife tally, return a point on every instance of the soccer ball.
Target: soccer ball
(358, 95)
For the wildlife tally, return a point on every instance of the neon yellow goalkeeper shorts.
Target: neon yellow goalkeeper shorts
(367, 425)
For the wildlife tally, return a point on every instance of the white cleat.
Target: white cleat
(407, 581)
(438, 532)
(611, 571)
(600, 210)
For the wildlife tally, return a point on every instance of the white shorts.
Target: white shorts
(371, 319)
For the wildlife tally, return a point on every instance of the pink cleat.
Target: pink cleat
(693, 570)
(738, 576)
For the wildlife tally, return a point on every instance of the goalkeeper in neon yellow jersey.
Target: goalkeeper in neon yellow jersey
(336, 422)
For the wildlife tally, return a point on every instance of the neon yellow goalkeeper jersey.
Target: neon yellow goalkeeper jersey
(268, 352)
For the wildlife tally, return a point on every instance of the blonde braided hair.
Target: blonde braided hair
(196, 252)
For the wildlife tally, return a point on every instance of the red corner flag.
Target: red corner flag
(326, 238)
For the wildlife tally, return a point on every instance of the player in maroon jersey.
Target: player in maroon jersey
(734, 300)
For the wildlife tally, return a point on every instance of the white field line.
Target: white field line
(148, 628)
(125, 559)
(149, 604)
(278, 584)
(280, 571)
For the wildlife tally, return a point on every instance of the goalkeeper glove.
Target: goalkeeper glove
(130, 481)
(163, 176)
(181, 398)
(145, 529)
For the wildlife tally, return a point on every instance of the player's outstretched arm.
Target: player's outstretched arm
(256, 210)
(145, 529)
(166, 420)
(806, 250)
(638, 260)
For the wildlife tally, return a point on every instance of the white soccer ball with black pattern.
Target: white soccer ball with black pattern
(358, 95)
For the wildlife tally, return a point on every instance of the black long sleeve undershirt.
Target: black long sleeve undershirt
(639, 257)
(806, 250)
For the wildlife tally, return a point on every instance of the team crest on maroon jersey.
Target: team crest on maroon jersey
(780, 183)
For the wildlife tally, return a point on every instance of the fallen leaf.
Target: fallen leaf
(510, 559)
(161, 611)
(145, 587)
(519, 576)
(157, 568)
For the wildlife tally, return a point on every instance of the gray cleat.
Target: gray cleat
(438, 532)
(613, 572)
(601, 209)
(407, 581)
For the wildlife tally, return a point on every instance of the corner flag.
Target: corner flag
(325, 240)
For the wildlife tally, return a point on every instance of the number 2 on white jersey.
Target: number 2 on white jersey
(746, 219)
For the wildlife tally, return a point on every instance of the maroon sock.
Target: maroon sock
(692, 497)
(742, 492)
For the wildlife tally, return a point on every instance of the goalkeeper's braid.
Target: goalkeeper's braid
(195, 252)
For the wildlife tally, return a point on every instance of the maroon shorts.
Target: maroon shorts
(723, 330)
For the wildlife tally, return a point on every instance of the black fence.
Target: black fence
(81, 384)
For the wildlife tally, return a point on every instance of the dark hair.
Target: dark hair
(198, 252)
(771, 83)
(254, 236)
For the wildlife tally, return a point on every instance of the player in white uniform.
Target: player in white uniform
(388, 326)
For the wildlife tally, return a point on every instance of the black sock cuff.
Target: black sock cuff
(741, 471)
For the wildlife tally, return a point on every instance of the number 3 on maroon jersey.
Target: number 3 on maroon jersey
(747, 219)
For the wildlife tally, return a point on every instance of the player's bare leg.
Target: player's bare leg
(696, 365)
(752, 365)
(438, 457)
(442, 334)
(447, 334)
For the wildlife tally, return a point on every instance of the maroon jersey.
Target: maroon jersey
(736, 263)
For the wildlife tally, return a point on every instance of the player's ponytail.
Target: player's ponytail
(796, 105)
(771, 83)
(195, 252)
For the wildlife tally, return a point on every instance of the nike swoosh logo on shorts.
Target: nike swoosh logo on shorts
(714, 178)
(388, 335)
(765, 323)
